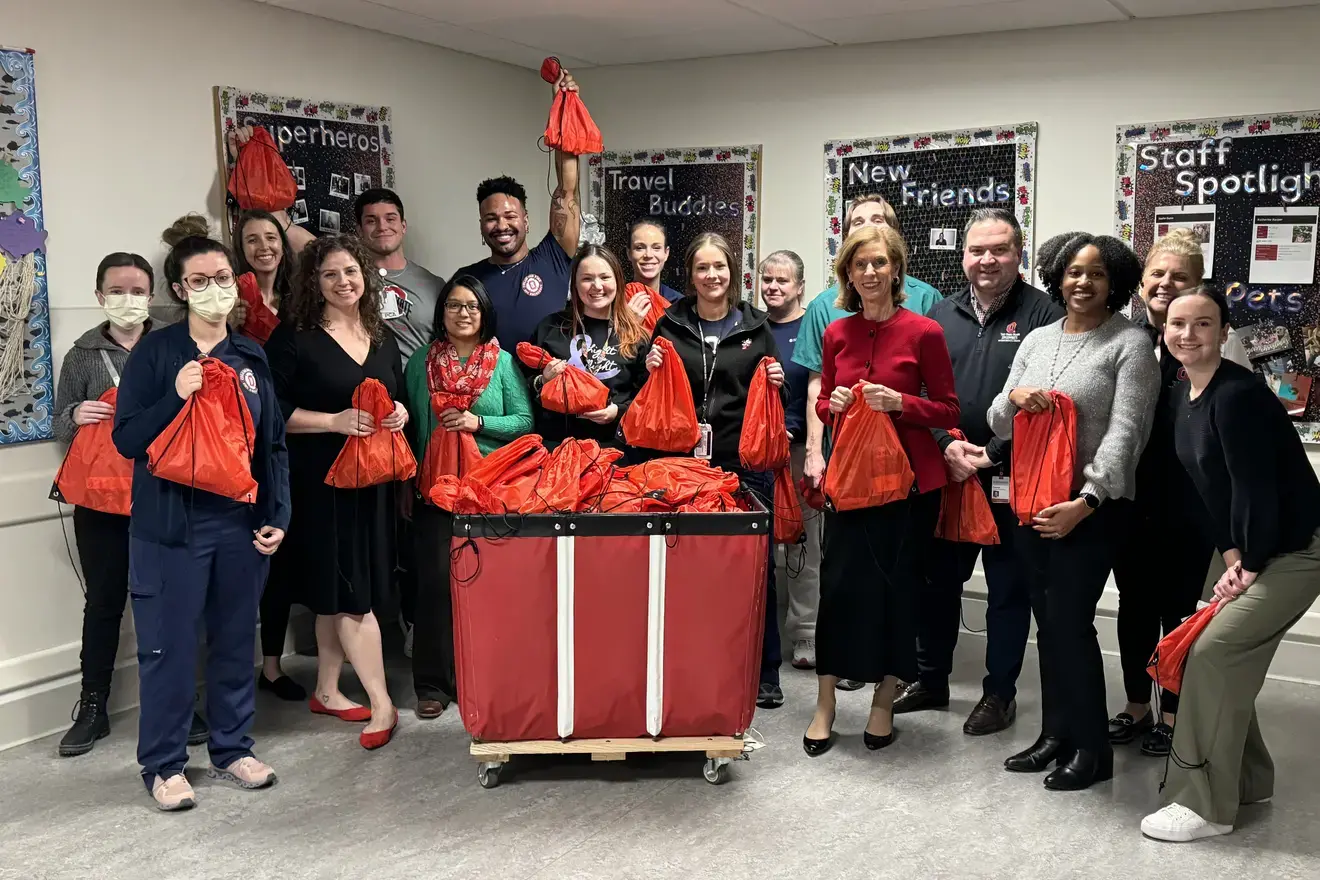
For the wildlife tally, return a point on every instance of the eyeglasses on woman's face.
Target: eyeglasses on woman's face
(454, 308)
(198, 281)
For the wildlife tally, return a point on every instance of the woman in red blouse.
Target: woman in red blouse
(866, 629)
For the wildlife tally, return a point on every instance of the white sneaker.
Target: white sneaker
(804, 654)
(1177, 824)
(408, 642)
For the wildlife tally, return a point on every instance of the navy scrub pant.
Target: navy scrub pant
(217, 578)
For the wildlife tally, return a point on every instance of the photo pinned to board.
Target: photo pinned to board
(329, 221)
(1264, 339)
(1311, 340)
(298, 213)
(1283, 251)
(944, 239)
(339, 186)
(361, 183)
(1292, 388)
(1308, 431)
(299, 175)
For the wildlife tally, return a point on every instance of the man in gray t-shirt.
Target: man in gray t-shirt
(411, 292)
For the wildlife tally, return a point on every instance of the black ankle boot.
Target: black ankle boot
(1086, 768)
(1045, 751)
(90, 723)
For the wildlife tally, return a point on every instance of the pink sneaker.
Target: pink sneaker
(246, 772)
(173, 794)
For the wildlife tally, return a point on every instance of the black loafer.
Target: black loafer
(198, 732)
(1123, 728)
(1085, 768)
(1045, 751)
(917, 696)
(991, 715)
(283, 687)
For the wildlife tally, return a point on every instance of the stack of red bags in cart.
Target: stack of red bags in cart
(581, 477)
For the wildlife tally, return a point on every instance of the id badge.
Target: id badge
(999, 490)
(703, 444)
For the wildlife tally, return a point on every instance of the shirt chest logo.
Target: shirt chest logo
(1010, 333)
(746, 344)
(394, 302)
(248, 380)
(532, 285)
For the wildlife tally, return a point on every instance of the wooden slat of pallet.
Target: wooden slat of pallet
(610, 749)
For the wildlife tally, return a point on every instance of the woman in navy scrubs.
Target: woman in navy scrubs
(194, 556)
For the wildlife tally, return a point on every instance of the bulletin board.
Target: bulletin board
(689, 190)
(1249, 188)
(335, 151)
(26, 376)
(934, 181)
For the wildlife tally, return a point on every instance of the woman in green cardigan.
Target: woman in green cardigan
(463, 359)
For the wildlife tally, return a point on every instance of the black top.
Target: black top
(595, 351)
(796, 377)
(1248, 464)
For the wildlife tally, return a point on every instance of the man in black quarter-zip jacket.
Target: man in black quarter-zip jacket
(983, 326)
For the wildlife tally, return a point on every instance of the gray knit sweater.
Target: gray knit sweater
(83, 376)
(1112, 376)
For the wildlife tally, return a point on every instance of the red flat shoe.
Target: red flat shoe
(378, 738)
(357, 714)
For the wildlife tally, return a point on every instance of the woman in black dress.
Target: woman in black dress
(340, 549)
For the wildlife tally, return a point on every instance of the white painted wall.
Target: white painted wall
(128, 143)
(1077, 82)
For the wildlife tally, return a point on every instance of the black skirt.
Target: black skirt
(870, 580)
(341, 547)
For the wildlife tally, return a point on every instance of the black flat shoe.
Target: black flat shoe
(1123, 728)
(283, 687)
(875, 743)
(1045, 751)
(817, 747)
(1158, 742)
(1086, 768)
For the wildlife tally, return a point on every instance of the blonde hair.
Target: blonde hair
(717, 241)
(1181, 243)
(895, 248)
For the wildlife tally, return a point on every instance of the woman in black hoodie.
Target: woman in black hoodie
(720, 340)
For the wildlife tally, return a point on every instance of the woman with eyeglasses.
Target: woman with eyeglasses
(464, 358)
(196, 557)
(341, 540)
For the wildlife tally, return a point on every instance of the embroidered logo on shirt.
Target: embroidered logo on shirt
(746, 344)
(532, 285)
(248, 380)
(394, 302)
(1010, 333)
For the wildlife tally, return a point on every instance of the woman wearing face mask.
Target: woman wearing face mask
(341, 540)
(1157, 591)
(123, 288)
(648, 251)
(1096, 357)
(1252, 474)
(721, 340)
(265, 253)
(197, 557)
(596, 332)
(464, 358)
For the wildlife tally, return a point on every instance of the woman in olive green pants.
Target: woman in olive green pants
(1263, 497)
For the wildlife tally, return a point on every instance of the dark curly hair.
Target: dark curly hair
(1121, 265)
(308, 307)
(503, 185)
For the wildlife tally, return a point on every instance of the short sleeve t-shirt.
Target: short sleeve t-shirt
(525, 293)
(795, 378)
(408, 305)
(821, 313)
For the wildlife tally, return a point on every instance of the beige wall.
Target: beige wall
(128, 143)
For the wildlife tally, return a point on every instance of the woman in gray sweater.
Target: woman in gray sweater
(1105, 364)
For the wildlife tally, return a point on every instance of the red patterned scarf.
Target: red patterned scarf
(448, 376)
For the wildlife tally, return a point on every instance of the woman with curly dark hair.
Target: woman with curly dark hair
(1105, 364)
(340, 549)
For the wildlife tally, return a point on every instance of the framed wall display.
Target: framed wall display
(335, 151)
(689, 190)
(1249, 189)
(27, 392)
(934, 181)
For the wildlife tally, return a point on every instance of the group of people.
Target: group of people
(1169, 439)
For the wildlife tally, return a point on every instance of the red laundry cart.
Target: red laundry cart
(609, 634)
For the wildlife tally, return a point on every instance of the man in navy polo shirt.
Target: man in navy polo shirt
(526, 285)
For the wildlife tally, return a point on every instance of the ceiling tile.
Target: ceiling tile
(799, 11)
(975, 19)
(1164, 8)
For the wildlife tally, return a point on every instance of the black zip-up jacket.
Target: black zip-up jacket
(734, 366)
(983, 356)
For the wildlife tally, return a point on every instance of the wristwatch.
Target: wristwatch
(481, 424)
(1092, 501)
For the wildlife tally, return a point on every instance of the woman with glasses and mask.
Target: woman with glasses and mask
(464, 358)
(194, 556)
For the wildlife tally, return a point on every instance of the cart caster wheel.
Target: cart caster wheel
(489, 775)
(716, 771)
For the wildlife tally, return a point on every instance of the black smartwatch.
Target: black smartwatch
(1092, 501)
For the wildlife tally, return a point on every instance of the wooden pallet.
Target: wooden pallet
(719, 751)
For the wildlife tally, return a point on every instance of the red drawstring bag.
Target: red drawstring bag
(573, 392)
(570, 128)
(596, 478)
(558, 486)
(965, 511)
(260, 321)
(658, 304)
(869, 466)
(1170, 658)
(1044, 455)
(383, 456)
(209, 444)
(94, 475)
(813, 495)
(763, 444)
(789, 527)
(662, 415)
(448, 453)
(260, 180)
(504, 480)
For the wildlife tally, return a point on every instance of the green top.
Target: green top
(821, 313)
(505, 406)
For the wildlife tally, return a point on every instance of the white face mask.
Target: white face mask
(214, 303)
(125, 310)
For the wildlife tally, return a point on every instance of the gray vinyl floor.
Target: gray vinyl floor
(934, 805)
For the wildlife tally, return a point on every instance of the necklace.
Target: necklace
(1056, 375)
(505, 269)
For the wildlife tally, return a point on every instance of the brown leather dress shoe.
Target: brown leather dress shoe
(428, 709)
(991, 715)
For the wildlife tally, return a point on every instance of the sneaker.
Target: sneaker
(850, 684)
(246, 772)
(198, 731)
(770, 696)
(90, 723)
(173, 794)
(804, 654)
(1158, 742)
(408, 642)
(1177, 824)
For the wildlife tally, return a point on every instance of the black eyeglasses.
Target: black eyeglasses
(454, 308)
(199, 282)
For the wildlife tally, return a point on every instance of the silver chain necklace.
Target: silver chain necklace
(505, 269)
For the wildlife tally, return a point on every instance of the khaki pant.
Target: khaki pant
(1217, 732)
(802, 587)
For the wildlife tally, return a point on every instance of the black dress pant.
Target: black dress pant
(102, 540)
(433, 613)
(276, 600)
(1067, 576)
